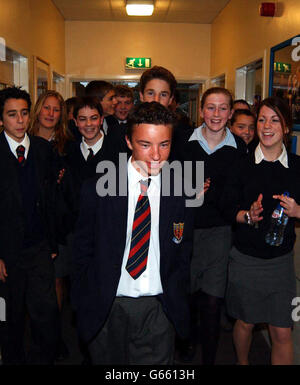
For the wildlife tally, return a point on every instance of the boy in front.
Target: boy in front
(26, 235)
(131, 273)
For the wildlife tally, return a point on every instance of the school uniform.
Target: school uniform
(252, 259)
(212, 235)
(27, 240)
(81, 165)
(116, 130)
(150, 307)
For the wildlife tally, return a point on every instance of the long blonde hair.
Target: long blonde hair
(61, 131)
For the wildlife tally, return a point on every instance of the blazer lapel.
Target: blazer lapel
(120, 212)
(10, 170)
(166, 215)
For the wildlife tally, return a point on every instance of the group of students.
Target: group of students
(144, 266)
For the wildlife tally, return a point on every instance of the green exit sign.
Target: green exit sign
(138, 62)
(282, 67)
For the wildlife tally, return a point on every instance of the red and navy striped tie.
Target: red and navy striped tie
(140, 237)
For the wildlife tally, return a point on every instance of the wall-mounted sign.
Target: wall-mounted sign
(138, 62)
(282, 67)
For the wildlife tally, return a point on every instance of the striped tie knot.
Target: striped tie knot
(20, 154)
(144, 186)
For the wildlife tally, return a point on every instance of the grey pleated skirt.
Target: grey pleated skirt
(261, 290)
(210, 260)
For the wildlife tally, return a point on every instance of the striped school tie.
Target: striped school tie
(140, 237)
(21, 154)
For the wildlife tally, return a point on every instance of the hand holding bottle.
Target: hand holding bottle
(291, 208)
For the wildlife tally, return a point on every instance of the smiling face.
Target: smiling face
(123, 107)
(15, 118)
(157, 90)
(270, 130)
(50, 113)
(89, 122)
(216, 112)
(244, 127)
(108, 103)
(150, 145)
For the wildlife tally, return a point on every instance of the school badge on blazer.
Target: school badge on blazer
(178, 232)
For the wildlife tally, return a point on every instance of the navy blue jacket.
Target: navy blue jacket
(98, 253)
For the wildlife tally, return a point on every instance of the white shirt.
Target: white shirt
(283, 158)
(149, 282)
(95, 147)
(13, 145)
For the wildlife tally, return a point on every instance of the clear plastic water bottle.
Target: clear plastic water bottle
(279, 221)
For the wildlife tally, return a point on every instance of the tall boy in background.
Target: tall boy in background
(26, 235)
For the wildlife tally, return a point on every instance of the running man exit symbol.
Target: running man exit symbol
(138, 62)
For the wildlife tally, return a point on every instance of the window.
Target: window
(13, 70)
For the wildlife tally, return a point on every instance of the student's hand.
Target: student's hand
(53, 255)
(206, 185)
(60, 175)
(256, 209)
(205, 188)
(3, 273)
(291, 208)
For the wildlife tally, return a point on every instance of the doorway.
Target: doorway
(189, 95)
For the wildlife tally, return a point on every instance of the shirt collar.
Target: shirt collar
(227, 141)
(134, 177)
(13, 144)
(283, 158)
(95, 147)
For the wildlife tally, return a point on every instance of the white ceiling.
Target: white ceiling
(165, 11)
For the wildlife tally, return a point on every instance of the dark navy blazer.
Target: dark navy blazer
(98, 253)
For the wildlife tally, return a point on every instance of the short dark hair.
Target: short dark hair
(124, 91)
(149, 113)
(217, 90)
(71, 103)
(158, 72)
(98, 88)
(281, 108)
(13, 93)
(87, 101)
(242, 101)
(176, 96)
(240, 112)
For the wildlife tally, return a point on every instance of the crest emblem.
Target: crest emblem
(178, 232)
